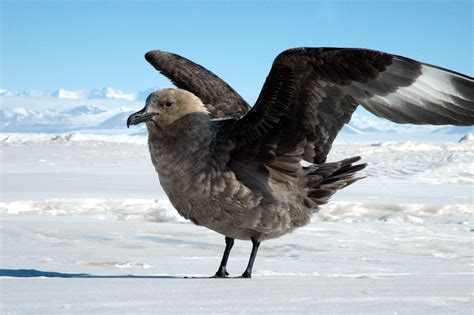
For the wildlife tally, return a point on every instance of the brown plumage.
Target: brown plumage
(237, 170)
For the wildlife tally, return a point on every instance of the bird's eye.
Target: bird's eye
(168, 104)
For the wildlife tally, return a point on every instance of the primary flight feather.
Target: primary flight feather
(237, 169)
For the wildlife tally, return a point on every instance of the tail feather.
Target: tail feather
(323, 180)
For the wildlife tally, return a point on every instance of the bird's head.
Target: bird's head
(165, 106)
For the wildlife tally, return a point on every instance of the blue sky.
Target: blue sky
(90, 44)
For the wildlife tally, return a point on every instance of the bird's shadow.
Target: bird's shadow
(33, 273)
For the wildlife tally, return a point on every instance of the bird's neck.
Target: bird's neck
(182, 145)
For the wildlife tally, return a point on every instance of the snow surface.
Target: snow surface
(86, 228)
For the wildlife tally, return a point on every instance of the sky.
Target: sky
(90, 44)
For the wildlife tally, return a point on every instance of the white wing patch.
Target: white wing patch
(436, 96)
(442, 81)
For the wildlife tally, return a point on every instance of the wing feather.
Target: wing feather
(310, 93)
(220, 99)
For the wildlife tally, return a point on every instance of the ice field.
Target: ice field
(87, 229)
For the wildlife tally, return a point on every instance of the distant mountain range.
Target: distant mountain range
(64, 115)
(94, 94)
(84, 117)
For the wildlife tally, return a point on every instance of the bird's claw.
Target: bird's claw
(221, 273)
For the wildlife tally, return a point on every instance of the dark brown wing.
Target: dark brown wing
(220, 99)
(310, 93)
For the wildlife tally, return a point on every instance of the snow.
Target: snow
(4, 92)
(82, 117)
(102, 93)
(67, 94)
(112, 209)
(102, 266)
(111, 93)
(86, 228)
(118, 121)
(85, 110)
(467, 137)
(143, 94)
(99, 93)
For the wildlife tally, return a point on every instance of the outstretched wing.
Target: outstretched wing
(310, 93)
(220, 99)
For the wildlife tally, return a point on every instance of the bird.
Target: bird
(258, 173)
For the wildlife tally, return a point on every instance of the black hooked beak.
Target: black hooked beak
(139, 117)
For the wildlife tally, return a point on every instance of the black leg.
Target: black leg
(248, 272)
(222, 271)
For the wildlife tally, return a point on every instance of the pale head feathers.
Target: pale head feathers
(171, 105)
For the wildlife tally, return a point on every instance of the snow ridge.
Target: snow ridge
(153, 210)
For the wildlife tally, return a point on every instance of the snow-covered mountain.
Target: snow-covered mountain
(73, 95)
(28, 93)
(85, 110)
(454, 130)
(348, 129)
(4, 92)
(100, 93)
(117, 121)
(67, 110)
(143, 94)
(107, 109)
(110, 93)
(27, 120)
(24, 119)
(92, 117)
